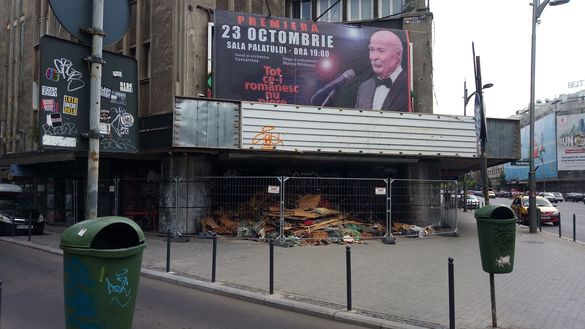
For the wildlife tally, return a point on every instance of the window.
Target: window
(360, 10)
(301, 9)
(333, 14)
(389, 7)
(345, 10)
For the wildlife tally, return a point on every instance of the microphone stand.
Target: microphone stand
(331, 93)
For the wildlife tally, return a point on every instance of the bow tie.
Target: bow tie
(385, 82)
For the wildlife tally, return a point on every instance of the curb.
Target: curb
(278, 301)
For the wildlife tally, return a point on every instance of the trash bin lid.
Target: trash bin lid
(493, 211)
(112, 232)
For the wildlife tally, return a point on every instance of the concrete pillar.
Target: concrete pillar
(423, 191)
(185, 197)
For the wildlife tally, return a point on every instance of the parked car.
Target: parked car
(548, 212)
(491, 194)
(574, 196)
(549, 196)
(472, 202)
(15, 212)
(558, 197)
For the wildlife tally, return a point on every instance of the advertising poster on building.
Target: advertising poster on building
(545, 152)
(289, 61)
(571, 141)
(64, 100)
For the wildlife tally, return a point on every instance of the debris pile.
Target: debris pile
(412, 230)
(313, 221)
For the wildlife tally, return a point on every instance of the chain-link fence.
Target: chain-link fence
(335, 209)
(246, 207)
(422, 207)
(313, 209)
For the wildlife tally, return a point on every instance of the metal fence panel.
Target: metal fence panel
(423, 207)
(246, 207)
(335, 209)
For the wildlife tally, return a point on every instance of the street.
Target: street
(567, 209)
(32, 297)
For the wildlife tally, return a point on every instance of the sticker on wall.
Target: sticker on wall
(49, 104)
(106, 92)
(52, 74)
(58, 141)
(105, 116)
(54, 120)
(117, 74)
(126, 87)
(118, 98)
(49, 91)
(70, 105)
(105, 128)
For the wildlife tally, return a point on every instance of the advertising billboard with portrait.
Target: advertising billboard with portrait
(289, 61)
(545, 152)
(571, 141)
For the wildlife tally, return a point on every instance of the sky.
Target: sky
(501, 31)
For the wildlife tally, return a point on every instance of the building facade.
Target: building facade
(559, 164)
(173, 43)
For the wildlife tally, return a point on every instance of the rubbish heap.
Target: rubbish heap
(309, 223)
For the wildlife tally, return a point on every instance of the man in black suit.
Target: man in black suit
(388, 89)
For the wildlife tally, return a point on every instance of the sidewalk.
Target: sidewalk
(393, 286)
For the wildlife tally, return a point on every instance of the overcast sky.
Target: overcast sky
(501, 30)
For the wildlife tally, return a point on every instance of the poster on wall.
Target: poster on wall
(289, 61)
(545, 152)
(571, 141)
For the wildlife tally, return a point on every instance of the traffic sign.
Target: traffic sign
(77, 16)
(521, 163)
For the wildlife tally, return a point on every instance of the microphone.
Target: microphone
(346, 76)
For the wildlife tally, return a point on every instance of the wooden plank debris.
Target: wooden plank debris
(312, 221)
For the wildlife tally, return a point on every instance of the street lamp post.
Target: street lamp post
(537, 8)
(466, 99)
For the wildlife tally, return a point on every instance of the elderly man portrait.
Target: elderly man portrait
(387, 89)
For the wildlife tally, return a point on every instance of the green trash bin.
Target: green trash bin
(101, 266)
(496, 232)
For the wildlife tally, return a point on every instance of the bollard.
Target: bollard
(271, 266)
(574, 228)
(451, 295)
(13, 226)
(213, 257)
(29, 226)
(539, 219)
(0, 302)
(560, 221)
(348, 275)
(168, 250)
(493, 300)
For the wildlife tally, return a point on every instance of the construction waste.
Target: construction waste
(309, 223)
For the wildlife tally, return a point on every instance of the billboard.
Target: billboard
(287, 61)
(571, 141)
(545, 152)
(64, 98)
